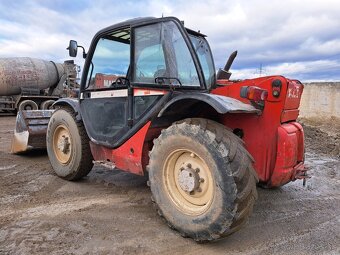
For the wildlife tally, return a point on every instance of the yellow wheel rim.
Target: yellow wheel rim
(62, 144)
(188, 182)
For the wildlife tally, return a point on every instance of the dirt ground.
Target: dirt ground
(110, 212)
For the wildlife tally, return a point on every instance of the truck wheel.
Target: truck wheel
(202, 180)
(27, 105)
(47, 105)
(68, 146)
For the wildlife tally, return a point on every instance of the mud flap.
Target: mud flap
(30, 130)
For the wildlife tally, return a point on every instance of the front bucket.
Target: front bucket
(30, 130)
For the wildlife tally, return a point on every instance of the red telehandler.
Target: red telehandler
(204, 140)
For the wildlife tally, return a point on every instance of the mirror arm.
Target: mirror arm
(84, 53)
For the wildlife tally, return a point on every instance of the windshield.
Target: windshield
(202, 49)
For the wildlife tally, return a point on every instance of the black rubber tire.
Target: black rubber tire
(234, 177)
(81, 161)
(27, 105)
(47, 105)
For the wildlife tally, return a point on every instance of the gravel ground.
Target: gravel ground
(110, 212)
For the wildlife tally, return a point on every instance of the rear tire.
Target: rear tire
(47, 105)
(27, 105)
(68, 146)
(202, 179)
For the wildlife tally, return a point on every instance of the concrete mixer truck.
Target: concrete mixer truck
(31, 84)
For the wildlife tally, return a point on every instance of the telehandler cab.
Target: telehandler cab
(203, 139)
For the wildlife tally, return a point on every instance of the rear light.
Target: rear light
(276, 88)
(254, 93)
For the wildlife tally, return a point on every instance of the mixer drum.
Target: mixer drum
(17, 73)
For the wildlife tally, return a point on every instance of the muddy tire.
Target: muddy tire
(202, 180)
(27, 105)
(68, 146)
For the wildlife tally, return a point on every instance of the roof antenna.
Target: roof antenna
(162, 15)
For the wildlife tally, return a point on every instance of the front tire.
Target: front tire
(202, 179)
(68, 146)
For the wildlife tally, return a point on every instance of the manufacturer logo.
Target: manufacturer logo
(294, 92)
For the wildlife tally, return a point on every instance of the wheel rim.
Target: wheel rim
(188, 181)
(62, 144)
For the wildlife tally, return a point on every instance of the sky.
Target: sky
(299, 39)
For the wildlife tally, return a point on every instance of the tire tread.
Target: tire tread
(244, 175)
(86, 163)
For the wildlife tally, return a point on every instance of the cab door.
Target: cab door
(130, 78)
(104, 100)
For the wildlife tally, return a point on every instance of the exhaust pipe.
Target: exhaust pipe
(224, 74)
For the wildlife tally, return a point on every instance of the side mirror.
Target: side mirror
(73, 48)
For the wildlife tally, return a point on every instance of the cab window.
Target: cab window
(110, 60)
(203, 52)
(150, 63)
(160, 51)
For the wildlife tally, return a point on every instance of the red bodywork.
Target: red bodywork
(274, 138)
(126, 157)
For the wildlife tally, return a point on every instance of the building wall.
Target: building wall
(320, 100)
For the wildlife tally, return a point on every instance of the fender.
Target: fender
(71, 102)
(221, 104)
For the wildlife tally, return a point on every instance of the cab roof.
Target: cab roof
(144, 20)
